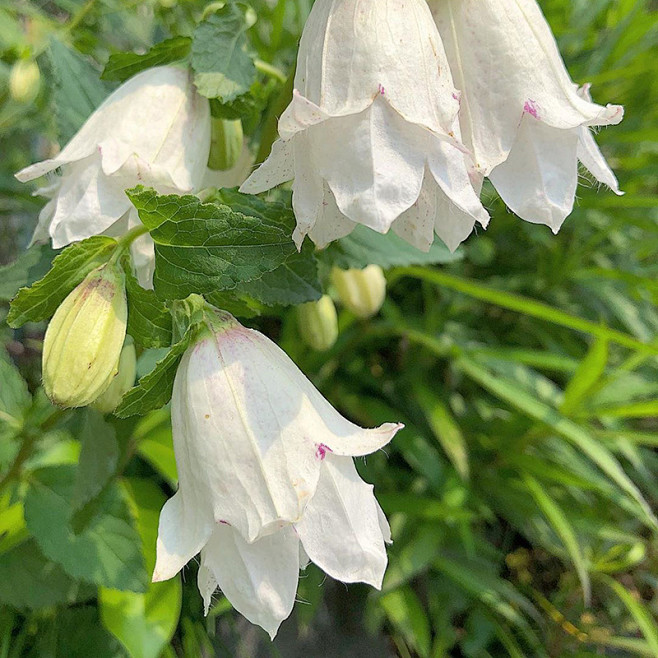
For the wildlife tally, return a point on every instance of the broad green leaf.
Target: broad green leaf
(40, 301)
(204, 248)
(524, 305)
(78, 89)
(444, 427)
(122, 66)
(149, 320)
(107, 551)
(30, 266)
(80, 634)
(222, 65)
(643, 617)
(98, 460)
(154, 390)
(29, 580)
(564, 530)
(13, 530)
(407, 615)
(15, 399)
(155, 444)
(587, 376)
(144, 623)
(521, 400)
(365, 247)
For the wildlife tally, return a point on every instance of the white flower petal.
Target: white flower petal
(87, 203)
(300, 115)
(352, 51)
(592, 158)
(331, 224)
(251, 432)
(182, 532)
(259, 579)
(307, 190)
(340, 529)
(380, 174)
(507, 64)
(277, 169)
(538, 180)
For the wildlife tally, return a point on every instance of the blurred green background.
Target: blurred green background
(522, 494)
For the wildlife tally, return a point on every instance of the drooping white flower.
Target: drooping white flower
(153, 130)
(372, 136)
(264, 465)
(522, 116)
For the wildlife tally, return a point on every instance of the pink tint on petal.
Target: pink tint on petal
(531, 108)
(322, 451)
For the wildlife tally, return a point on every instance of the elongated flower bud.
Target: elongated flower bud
(121, 383)
(226, 143)
(318, 323)
(24, 81)
(83, 342)
(361, 291)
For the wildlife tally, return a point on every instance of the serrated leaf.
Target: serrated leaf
(208, 247)
(149, 320)
(365, 247)
(78, 89)
(29, 580)
(30, 266)
(154, 390)
(122, 66)
(107, 551)
(40, 301)
(223, 68)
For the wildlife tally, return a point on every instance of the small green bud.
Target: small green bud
(318, 323)
(84, 339)
(226, 144)
(361, 291)
(24, 81)
(121, 383)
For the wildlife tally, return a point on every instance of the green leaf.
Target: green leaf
(294, 282)
(534, 408)
(98, 460)
(78, 89)
(222, 65)
(523, 305)
(204, 248)
(29, 580)
(642, 616)
(15, 399)
(144, 623)
(106, 552)
(407, 615)
(149, 320)
(155, 444)
(560, 523)
(587, 376)
(80, 634)
(363, 247)
(122, 66)
(70, 267)
(154, 389)
(30, 266)
(444, 427)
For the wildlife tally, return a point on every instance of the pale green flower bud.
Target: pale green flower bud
(318, 323)
(226, 144)
(361, 291)
(83, 341)
(24, 81)
(121, 383)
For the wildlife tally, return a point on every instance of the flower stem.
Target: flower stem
(272, 71)
(126, 240)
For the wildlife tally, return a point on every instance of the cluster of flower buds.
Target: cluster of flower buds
(428, 99)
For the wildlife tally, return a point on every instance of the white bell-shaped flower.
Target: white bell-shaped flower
(372, 136)
(153, 130)
(525, 121)
(265, 474)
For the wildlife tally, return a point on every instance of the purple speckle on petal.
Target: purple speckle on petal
(531, 108)
(322, 451)
(223, 522)
(381, 89)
